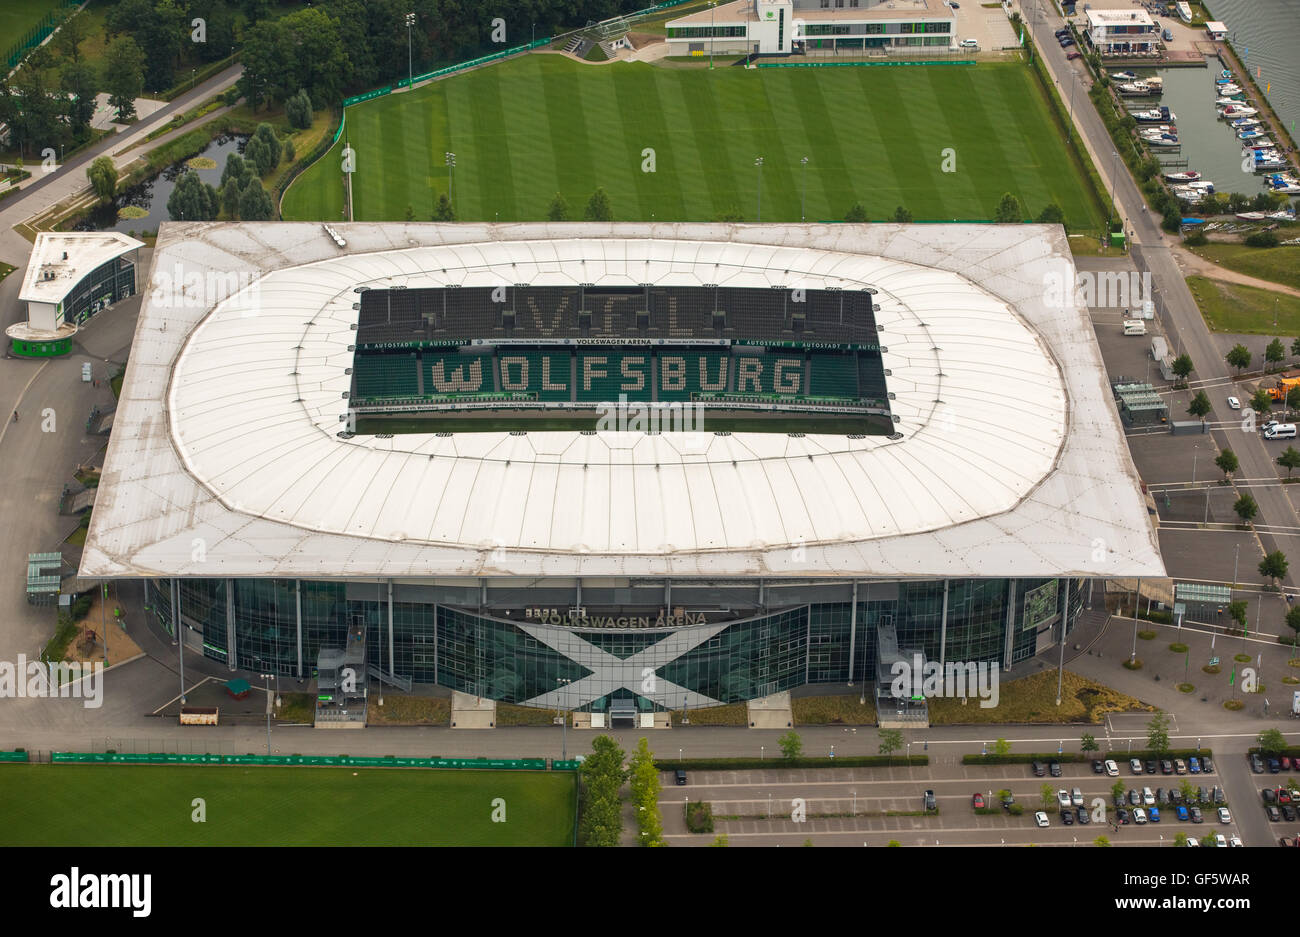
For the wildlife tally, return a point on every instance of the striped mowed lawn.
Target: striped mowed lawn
(525, 129)
(106, 805)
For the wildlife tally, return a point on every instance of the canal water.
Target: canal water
(151, 196)
(1266, 34)
(1209, 145)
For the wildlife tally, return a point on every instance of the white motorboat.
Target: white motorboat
(1201, 184)
(1283, 215)
(1124, 76)
(1191, 175)
(1228, 102)
(1165, 140)
(1285, 188)
(1251, 215)
(1245, 123)
(1150, 129)
(1137, 88)
(1228, 89)
(1155, 115)
(1234, 111)
(1253, 134)
(1190, 195)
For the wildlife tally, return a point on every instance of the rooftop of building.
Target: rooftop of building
(60, 259)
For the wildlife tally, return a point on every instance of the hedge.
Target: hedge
(1024, 759)
(737, 764)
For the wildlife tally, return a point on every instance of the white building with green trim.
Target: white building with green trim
(783, 27)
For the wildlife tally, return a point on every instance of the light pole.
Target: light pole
(1114, 189)
(803, 188)
(450, 159)
(711, 6)
(564, 730)
(761, 750)
(1074, 77)
(759, 163)
(855, 802)
(410, 68)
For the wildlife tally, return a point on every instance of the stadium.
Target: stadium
(385, 440)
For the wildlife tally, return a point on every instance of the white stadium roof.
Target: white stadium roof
(60, 259)
(225, 458)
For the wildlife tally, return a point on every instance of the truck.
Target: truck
(1135, 327)
(1159, 348)
(1283, 387)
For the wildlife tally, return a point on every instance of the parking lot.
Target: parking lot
(873, 806)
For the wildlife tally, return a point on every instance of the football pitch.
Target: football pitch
(945, 142)
(111, 805)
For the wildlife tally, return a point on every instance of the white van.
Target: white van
(1281, 431)
(1135, 327)
(969, 44)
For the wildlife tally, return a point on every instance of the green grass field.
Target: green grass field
(18, 16)
(1230, 307)
(1278, 264)
(527, 128)
(110, 805)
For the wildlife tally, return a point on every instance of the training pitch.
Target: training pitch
(127, 805)
(525, 129)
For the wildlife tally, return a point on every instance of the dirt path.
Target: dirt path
(1193, 265)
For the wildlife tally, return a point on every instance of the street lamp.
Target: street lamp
(450, 159)
(855, 802)
(711, 6)
(410, 69)
(1114, 188)
(803, 188)
(759, 163)
(761, 750)
(564, 731)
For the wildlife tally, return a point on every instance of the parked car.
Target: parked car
(1096, 766)
(1269, 795)
(1288, 812)
(1224, 816)
(1112, 769)
(1166, 766)
(1234, 403)
(1273, 766)
(1135, 765)
(1066, 42)
(1256, 763)
(977, 802)
(1235, 840)
(1151, 766)
(1038, 768)
(1040, 818)
(1200, 796)
(1196, 814)
(1121, 815)
(1207, 764)
(1008, 799)
(1063, 31)
(1218, 796)
(1175, 795)
(1273, 813)
(1285, 841)
(1083, 815)
(1283, 795)
(1063, 799)
(1076, 797)
(1139, 816)
(1134, 798)
(1194, 765)
(928, 800)
(1054, 768)
(1073, 54)
(1220, 840)
(1148, 798)
(1180, 766)
(1067, 817)
(680, 775)
(1182, 813)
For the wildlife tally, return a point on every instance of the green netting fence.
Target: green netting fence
(17, 756)
(36, 34)
(333, 761)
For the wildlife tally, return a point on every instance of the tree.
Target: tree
(1275, 351)
(1088, 743)
(1047, 796)
(1293, 618)
(720, 840)
(891, 740)
(32, 109)
(601, 777)
(1117, 791)
(902, 215)
(298, 110)
(193, 199)
(236, 169)
(410, 213)
(791, 746)
(266, 134)
(1246, 509)
(257, 157)
(1273, 566)
(303, 49)
(1101, 841)
(123, 76)
(1001, 748)
(1295, 347)
(1293, 398)
(254, 202)
(1158, 733)
(893, 842)
(1227, 462)
(1183, 366)
(74, 31)
(1271, 741)
(1237, 612)
(1200, 405)
(644, 783)
(558, 210)
(857, 214)
(159, 27)
(1238, 357)
(1180, 839)
(1052, 214)
(598, 207)
(103, 178)
(1009, 210)
(444, 211)
(81, 85)
(1261, 401)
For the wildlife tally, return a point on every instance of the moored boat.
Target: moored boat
(1155, 115)
(1233, 111)
(1251, 215)
(1190, 175)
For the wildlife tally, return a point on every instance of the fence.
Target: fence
(37, 34)
(20, 756)
(335, 761)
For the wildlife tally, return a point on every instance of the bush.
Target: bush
(741, 764)
(1196, 239)
(699, 817)
(1016, 810)
(1023, 759)
(81, 608)
(1262, 239)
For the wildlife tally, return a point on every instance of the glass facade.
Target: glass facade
(281, 625)
(106, 284)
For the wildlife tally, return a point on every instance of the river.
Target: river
(1265, 34)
